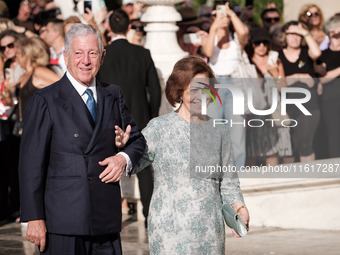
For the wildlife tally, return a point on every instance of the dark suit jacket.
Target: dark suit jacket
(131, 67)
(60, 150)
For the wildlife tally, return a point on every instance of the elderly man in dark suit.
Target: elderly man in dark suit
(69, 165)
(131, 67)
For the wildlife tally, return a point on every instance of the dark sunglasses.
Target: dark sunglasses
(269, 20)
(137, 28)
(10, 46)
(310, 14)
(258, 43)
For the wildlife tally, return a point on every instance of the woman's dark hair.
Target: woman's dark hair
(285, 28)
(288, 24)
(12, 34)
(184, 70)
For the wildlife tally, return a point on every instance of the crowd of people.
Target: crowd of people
(81, 50)
(299, 48)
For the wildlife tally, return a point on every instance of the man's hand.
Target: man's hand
(122, 137)
(114, 170)
(36, 233)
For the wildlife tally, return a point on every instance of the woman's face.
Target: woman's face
(7, 46)
(261, 48)
(293, 40)
(313, 16)
(21, 58)
(192, 95)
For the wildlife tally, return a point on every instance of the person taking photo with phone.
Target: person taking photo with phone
(227, 38)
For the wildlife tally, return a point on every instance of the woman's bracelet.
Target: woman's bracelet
(232, 15)
(239, 209)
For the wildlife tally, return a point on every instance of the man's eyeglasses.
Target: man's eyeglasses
(270, 20)
(258, 43)
(9, 46)
(312, 14)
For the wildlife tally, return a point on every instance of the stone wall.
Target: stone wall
(309, 203)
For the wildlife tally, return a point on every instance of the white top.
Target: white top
(224, 61)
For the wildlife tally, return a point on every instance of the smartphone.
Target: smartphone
(87, 4)
(272, 57)
(192, 38)
(221, 10)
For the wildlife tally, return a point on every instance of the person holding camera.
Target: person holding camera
(227, 38)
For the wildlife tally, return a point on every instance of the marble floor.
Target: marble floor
(259, 241)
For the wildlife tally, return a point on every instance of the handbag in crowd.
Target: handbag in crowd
(18, 125)
(233, 220)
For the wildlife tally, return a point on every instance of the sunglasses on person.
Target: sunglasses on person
(312, 14)
(270, 20)
(258, 43)
(137, 28)
(9, 46)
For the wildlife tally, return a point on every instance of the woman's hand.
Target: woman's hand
(229, 11)
(219, 22)
(297, 29)
(9, 85)
(122, 137)
(243, 212)
(89, 17)
(273, 70)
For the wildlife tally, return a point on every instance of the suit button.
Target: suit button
(89, 178)
(85, 155)
(76, 135)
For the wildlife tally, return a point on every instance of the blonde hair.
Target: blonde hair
(36, 50)
(303, 14)
(6, 24)
(72, 20)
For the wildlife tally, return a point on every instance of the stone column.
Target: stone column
(161, 17)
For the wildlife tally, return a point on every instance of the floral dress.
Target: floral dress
(185, 211)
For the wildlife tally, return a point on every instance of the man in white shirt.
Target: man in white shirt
(53, 35)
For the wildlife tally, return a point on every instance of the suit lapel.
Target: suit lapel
(75, 110)
(104, 108)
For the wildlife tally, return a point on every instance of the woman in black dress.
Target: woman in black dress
(330, 103)
(297, 61)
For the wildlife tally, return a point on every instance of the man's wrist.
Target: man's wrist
(128, 165)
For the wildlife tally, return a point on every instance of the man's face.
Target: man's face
(271, 18)
(84, 60)
(50, 35)
(24, 12)
(42, 33)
